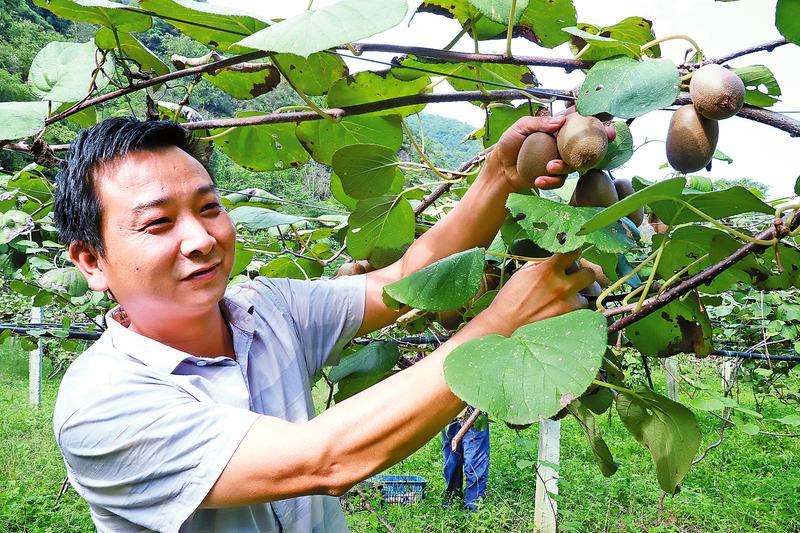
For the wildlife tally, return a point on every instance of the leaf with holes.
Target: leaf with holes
(380, 229)
(366, 87)
(314, 74)
(537, 371)
(322, 138)
(63, 72)
(248, 84)
(262, 147)
(761, 87)
(449, 283)
(103, 12)
(626, 37)
(547, 18)
(678, 327)
(628, 88)
(554, 226)
(668, 429)
(344, 22)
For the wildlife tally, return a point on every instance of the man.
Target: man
(469, 460)
(193, 411)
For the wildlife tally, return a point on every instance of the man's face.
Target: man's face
(169, 244)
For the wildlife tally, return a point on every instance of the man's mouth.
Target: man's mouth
(202, 273)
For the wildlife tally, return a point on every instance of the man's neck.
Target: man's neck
(202, 335)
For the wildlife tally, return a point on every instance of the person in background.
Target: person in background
(469, 459)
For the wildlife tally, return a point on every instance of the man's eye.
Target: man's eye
(156, 223)
(212, 205)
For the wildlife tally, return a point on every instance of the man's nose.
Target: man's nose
(195, 238)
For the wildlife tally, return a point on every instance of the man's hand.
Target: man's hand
(537, 291)
(504, 155)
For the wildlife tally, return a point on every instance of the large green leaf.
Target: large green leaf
(761, 87)
(620, 150)
(244, 85)
(365, 170)
(547, 18)
(291, 267)
(678, 327)
(787, 19)
(62, 72)
(67, 279)
(626, 37)
(465, 13)
(534, 373)
(84, 118)
(21, 119)
(103, 12)
(501, 118)
(628, 88)
(554, 226)
(322, 138)
(663, 190)
(241, 259)
(599, 447)
(256, 218)
(380, 229)
(131, 48)
(14, 223)
(262, 147)
(366, 87)
(666, 428)
(333, 25)
(500, 10)
(216, 26)
(375, 358)
(717, 204)
(449, 283)
(314, 74)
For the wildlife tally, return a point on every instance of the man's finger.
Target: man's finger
(612, 133)
(527, 125)
(563, 261)
(547, 183)
(583, 277)
(558, 167)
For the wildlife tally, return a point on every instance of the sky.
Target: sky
(758, 151)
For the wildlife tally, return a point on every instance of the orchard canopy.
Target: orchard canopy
(347, 108)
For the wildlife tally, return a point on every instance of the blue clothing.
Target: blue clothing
(146, 430)
(470, 461)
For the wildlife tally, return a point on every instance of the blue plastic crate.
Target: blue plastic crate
(405, 490)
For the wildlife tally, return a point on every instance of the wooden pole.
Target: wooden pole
(728, 367)
(35, 363)
(673, 377)
(546, 510)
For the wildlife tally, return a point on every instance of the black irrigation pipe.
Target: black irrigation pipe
(49, 331)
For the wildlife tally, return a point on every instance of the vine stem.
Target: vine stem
(652, 275)
(614, 387)
(512, 256)
(309, 102)
(725, 228)
(682, 37)
(680, 273)
(510, 31)
(614, 286)
(421, 152)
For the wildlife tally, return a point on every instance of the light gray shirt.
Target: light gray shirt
(146, 430)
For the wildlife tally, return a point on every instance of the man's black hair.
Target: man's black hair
(77, 209)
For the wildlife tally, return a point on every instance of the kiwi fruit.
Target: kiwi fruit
(594, 189)
(624, 189)
(353, 268)
(582, 142)
(537, 150)
(691, 139)
(717, 93)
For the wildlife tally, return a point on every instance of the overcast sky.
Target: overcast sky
(759, 151)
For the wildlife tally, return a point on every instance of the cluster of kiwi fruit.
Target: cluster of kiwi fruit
(717, 93)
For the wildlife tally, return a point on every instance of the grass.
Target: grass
(747, 484)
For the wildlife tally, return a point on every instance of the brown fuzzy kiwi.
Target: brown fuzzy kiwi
(594, 189)
(582, 142)
(717, 93)
(537, 150)
(353, 268)
(691, 139)
(624, 189)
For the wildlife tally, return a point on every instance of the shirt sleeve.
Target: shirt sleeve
(326, 313)
(155, 469)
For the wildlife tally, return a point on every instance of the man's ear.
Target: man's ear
(87, 260)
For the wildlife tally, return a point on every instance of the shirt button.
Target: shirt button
(202, 363)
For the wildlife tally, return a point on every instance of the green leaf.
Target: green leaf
(333, 25)
(678, 327)
(717, 204)
(537, 371)
(314, 74)
(668, 429)
(291, 267)
(501, 118)
(598, 401)
(322, 138)
(761, 87)
(465, 12)
(251, 196)
(21, 119)
(366, 87)
(449, 283)
(84, 118)
(146, 60)
(547, 18)
(262, 147)
(628, 88)
(500, 10)
(376, 357)
(787, 19)
(626, 37)
(256, 218)
(241, 259)
(103, 12)
(246, 85)
(216, 26)
(745, 427)
(554, 226)
(365, 170)
(790, 420)
(720, 156)
(62, 72)
(599, 447)
(620, 150)
(351, 386)
(380, 229)
(67, 279)
(711, 404)
(14, 223)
